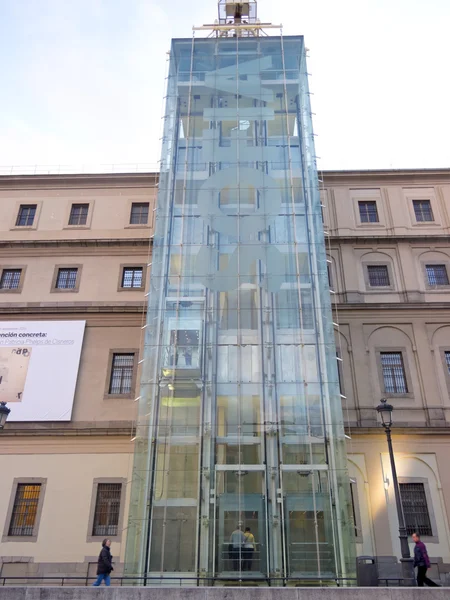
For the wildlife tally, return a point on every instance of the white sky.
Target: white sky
(82, 81)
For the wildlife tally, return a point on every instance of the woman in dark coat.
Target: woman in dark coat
(104, 567)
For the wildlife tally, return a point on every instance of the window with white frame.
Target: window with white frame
(10, 279)
(423, 211)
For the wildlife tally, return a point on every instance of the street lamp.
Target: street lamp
(385, 411)
(4, 412)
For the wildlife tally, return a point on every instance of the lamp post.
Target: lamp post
(4, 412)
(385, 411)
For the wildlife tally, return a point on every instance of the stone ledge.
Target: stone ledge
(219, 593)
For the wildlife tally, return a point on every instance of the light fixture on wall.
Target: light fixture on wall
(4, 412)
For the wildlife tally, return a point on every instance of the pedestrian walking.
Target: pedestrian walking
(237, 541)
(422, 562)
(249, 548)
(104, 566)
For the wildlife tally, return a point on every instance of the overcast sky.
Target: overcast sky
(82, 81)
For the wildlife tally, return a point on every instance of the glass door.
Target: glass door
(240, 524)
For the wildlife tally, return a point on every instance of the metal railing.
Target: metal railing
(84, 581)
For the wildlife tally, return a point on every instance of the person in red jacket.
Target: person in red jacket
(422, 562)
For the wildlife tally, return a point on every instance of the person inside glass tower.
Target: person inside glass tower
(237, 541)
(249, 548)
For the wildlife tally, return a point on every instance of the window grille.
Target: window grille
(437, 274)
(107, 509)
(78, 214)
(393, 373)
(10, 279)
(368, 212)
(415, 508)
(132, 277)
(378, 275)
(139, 213)
(422, 210)
(447, 360)
(67, 279)
(121, 374)
(23, 518)
(26, 215)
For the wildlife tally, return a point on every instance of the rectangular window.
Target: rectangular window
(121, 373)
(23, 518)
(132, 277)
(78, 214)
(393, 373)
(378, 275)
(355, 512)
(368, 212)
(26, 215)
(437, 274)
(107, 509)
(139, 213)
(10, 279)
(415, 508)
(422, 210)
(66, 279)
(330, 277)
(447, 360)
(340, 374)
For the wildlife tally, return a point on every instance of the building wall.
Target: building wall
(97, 443)
(409, 316)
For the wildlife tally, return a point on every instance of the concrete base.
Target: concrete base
(219, 593)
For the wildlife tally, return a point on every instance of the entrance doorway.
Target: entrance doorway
(247, 510)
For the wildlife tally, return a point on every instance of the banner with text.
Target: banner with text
(39, 367)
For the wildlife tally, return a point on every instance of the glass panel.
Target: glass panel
(239, 369)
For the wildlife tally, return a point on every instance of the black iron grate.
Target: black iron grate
(415, 508)
(393, 373)
(121, 373)
(107, 509)
(25, 508)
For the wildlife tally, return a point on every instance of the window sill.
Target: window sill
(118, 396)
(23, 228)
(10, 291)
(138, 226)
(64, 291)
(99, 538)
(77, 227)
(19, 538)
(131, 289)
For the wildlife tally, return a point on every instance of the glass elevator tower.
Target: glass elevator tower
(240, 420)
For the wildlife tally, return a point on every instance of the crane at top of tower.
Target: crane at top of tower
(237, 19)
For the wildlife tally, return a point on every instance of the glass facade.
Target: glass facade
(240, 419)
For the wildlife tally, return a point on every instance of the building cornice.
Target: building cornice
(368, 239)
(100, 180)
(75, 308)
(72, 428)
(386, 177)
(374, 307)
(77, 243)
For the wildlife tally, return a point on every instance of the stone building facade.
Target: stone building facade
(65, 484)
